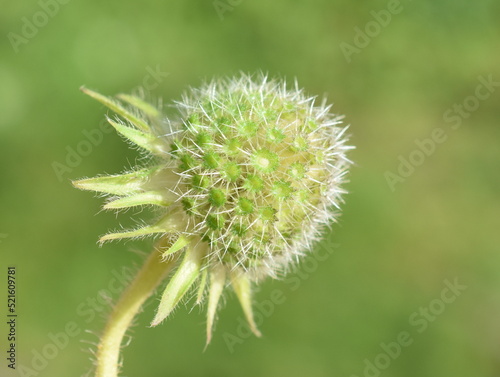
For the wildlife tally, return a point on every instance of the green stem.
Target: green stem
(131, 301)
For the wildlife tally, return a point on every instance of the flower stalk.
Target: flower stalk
(141, 288)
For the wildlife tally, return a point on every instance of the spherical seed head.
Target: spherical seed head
(275, 162)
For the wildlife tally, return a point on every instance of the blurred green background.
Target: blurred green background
(395, 246)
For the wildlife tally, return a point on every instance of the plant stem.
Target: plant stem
(147, 279)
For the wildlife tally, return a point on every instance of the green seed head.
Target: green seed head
(275, 162)
(251, 170)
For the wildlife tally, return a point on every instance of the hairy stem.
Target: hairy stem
(130, 303)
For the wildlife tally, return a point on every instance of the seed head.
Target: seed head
(247, 176)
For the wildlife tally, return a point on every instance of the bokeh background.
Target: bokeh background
(396, 244)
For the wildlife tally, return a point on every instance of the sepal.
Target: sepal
(180, 283)
(242, 288)
(118, 108)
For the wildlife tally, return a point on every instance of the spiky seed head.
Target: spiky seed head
(248, 174)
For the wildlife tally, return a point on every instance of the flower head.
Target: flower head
(247, 176)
